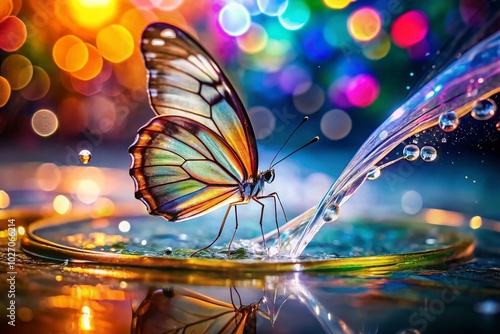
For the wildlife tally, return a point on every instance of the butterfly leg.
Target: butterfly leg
(256, 199)
(274, 196)
(218, 235)
(222, 227)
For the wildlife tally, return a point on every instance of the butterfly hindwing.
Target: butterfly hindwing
(183, 169)
(184, 80)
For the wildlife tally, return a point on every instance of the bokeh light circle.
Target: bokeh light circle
(378, 48)
(167, 4)
(93, 66)
(115, 43)
(4, 91)
(364, 24)
(13, 33)
(6, 7)
(38, 86)
(362, 90)
(296, 15)
(336, 124)
(308, 98)
(337, 4)
(61, 204)
(17, 70)
(70, 53)
(293, 76)
(409, 29)
(263, 121)
(234, 19)
(272, 7)
(254, 40)
(44, 122)
(92, 13)
(411, 202)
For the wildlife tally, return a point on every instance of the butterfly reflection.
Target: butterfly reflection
(200, 152)
(181, 310)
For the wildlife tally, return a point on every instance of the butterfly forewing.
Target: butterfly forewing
(185, 81)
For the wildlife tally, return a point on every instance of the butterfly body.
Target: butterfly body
(199, 153)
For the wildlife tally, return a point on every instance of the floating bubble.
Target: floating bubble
(411, 152)
(44, 122)
(448, 121)
(85, 156)
(484, 110)
(428, 153)
(373, 173)
(12, 33)
(4, 91)
(498, 126)
(234, 19)
(332, 213)
(115, 43)
(364, 24)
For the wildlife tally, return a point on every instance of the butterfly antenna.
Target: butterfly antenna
(305, 119)
(315, 139)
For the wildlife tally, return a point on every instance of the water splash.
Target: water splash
(474, 76)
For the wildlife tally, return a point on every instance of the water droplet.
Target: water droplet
(411, 152)
(484, 110)
(168, 251)
(373, 173)
(448, 121)
(332, 212)
(428, 153)
(85, 156)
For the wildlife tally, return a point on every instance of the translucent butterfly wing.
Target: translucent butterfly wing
(182, 310)
(183, 169)
(184, 80)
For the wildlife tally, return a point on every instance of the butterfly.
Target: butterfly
(200, 152)
(181, 310)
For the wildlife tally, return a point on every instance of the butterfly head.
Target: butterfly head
(268, 175)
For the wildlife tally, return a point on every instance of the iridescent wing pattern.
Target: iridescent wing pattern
(196, 154)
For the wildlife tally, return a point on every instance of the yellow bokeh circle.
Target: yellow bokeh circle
(115, 43)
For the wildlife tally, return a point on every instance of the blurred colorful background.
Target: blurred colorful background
(73, 79)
